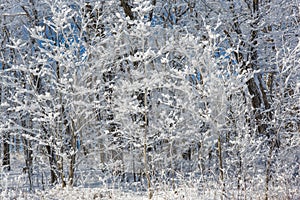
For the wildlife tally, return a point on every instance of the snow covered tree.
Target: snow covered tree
(173, 94)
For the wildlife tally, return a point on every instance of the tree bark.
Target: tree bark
(72, 153)
(127, 9)
(28, 159)
(6, 152)
(221, 170)
(150, 192)
(53, 164)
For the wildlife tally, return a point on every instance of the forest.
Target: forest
(150, 99)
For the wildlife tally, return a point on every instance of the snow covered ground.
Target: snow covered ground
(102, 193)
(96, 184)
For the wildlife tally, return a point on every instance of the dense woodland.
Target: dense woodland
(152, 95)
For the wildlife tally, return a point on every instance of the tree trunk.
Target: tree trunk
(127, 9)
(60, 167)
(6, 152)
(28, 159)
(53, 164)
(150, 192)
(221, 167)
(72, 153)
(52, 158)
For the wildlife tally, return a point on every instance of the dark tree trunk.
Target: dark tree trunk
(28, 159)
(127, 9)
(53, 164)
(256, 84)
(6, 152)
